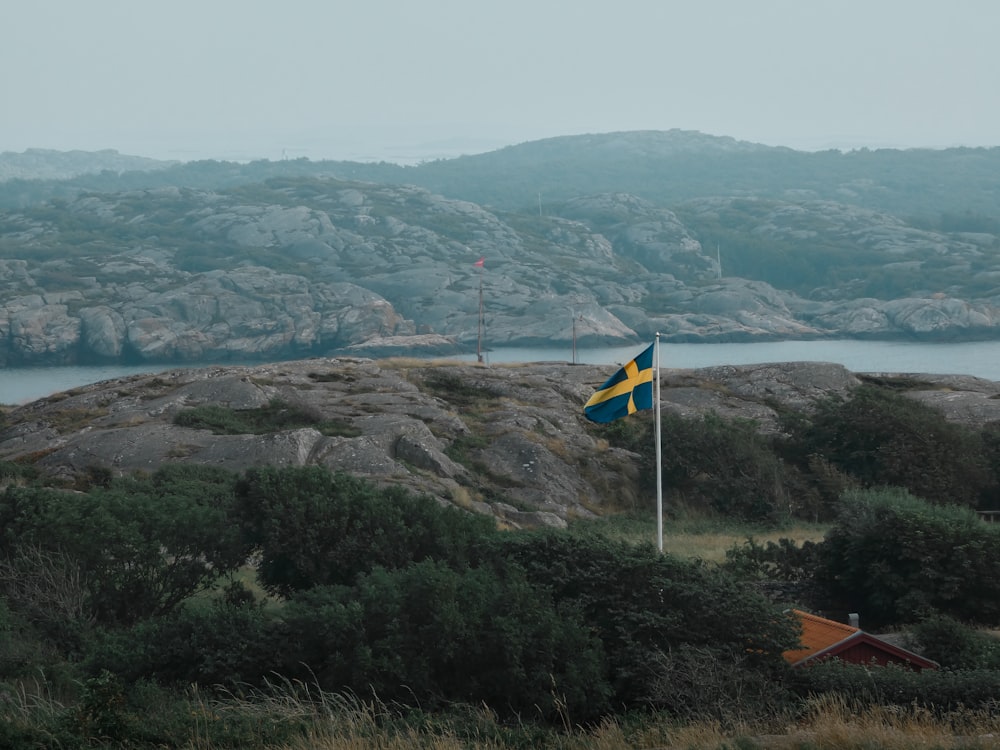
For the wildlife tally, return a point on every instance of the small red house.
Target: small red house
(826, 639)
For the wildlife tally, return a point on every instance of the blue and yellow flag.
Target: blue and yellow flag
(626, 392)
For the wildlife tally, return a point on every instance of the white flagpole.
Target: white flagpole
(659, 469)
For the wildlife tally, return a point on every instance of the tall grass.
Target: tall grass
(292, 715)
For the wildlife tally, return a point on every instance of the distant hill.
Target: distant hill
(956, 189)
(669, 168)
(47, 164)
(609, 238)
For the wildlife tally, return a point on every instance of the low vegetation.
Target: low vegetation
(294, 607)
(277, 415)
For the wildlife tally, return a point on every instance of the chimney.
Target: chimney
(854, 620)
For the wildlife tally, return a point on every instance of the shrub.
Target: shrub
(717, 464)
(643, 604)
(136, 548)
(881, 437)
(438, 635)
(313, 527)
(897, 558)
(698, 683)
(222, 644)
(954, 645)
(941, 691)
(775, 561)
(277, 415)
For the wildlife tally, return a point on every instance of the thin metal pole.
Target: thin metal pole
(574, 338)
(479, 339)
(659, 458)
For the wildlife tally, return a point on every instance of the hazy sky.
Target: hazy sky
(239, 79)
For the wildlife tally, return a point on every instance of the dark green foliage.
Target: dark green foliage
(109, 713)
(954, 645)
(783, 560)
(727, 465)
(877, 436)
(117, 554)
(222, 644)
(277, 415)
(316, 528)
(456, 390)
(881, 437)
(15, 472)
(642, 604)
(896, 558)
(427, 631)
(940, 691)
(394, 597)
(100, 716)
(716, 464)
(723, 685)
(446, 635)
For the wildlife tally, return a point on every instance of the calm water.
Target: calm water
(981, 359)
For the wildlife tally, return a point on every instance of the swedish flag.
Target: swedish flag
(626, 392)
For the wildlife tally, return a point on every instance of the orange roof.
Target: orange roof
(818, 634)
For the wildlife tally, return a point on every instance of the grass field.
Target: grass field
(705, 539)
(292, 716)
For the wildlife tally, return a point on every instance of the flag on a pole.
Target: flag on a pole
(626, 392)
(480, 263)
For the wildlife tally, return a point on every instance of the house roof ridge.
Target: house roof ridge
(822, 638)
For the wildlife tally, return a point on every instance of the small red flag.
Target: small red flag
(479, 263)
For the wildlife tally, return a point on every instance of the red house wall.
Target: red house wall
(866, 653)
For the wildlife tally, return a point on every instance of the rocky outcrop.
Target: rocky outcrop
(510, 441)
(295, 268)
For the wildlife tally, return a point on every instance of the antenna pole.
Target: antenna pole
(574, 338)
(479, 339)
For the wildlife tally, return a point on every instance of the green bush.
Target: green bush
(643, 604)
(118, 554)
(439, 635)
(954, 645)
(897, 558)
(277, 415)
(783, 560)
(716, 464)
(11, 472)
(940, 691)
(221, 644)
(882, 438)
(313, 527)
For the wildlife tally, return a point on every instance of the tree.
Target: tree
(139, 546)
(643, 604)
(881, 437)
(313, 527)
(897, 558)
(443, 635)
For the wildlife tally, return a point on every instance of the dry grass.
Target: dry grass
(829, 724)
(833, 723)
(69, 420)
(408, 363)
(461, 497)
(320, 720)
(706, 539)
(712, 545)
